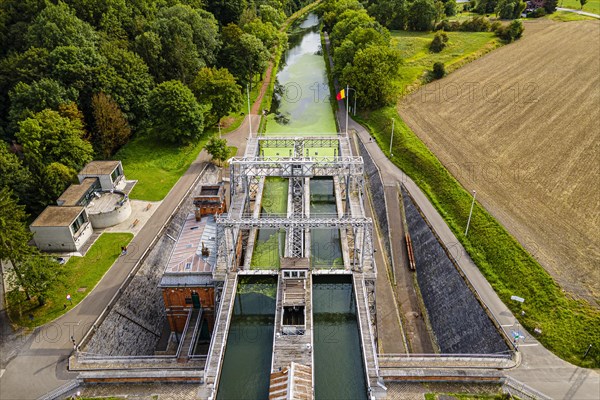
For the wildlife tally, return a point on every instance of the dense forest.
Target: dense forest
(80, 78)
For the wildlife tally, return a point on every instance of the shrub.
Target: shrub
(477, 24)
(537, 13)
(448, 26)
(510, 32)
(495, 26)
(438, 70)
(439, 42)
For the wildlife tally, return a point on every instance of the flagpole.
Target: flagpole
(347, 88)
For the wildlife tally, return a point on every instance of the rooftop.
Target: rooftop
(105, 202)
(57, 216)
(187, 257)
(75, 192)
(99, 168)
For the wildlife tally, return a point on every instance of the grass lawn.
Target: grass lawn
(157, 166)
(462, 48)
(81, 272)
(568, 326)
(564, 16)
(592, 6)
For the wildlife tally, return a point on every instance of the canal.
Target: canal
(339, 372)
(247, 362)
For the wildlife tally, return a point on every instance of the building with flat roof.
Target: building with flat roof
(61, 229)
(187, 281)
(211, 200)
(101, 194)
(109, 173)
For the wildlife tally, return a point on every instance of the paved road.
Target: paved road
(40, 365)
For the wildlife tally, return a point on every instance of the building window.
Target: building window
(78, 223)
(116, 174)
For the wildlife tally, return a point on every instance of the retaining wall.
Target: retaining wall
(459, 322)
(134, 325)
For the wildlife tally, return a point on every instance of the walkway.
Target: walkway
(540, 368)
(42, 359)
(580, 12)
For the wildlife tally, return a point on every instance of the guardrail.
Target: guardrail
(184, 333)
(515, 387)
(195, 334)
(61, 390)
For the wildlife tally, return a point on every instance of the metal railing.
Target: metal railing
(524, 391)
(184, 333)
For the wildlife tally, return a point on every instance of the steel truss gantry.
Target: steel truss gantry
(359, 229)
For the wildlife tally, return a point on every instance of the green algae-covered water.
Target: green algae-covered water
(326, 249)
(338, 369)
(301, 99)
(247, 362)
(270, 243)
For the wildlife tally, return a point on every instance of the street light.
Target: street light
(392, 138)
(249, 116)
(471, 212)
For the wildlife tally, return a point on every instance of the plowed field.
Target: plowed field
(521, 126)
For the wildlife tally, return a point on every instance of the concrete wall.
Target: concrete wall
(59, 238)
(134, 325)
(377, 195)
(114, 217)
(459, 322)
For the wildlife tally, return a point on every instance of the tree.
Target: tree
(175, 114)
(14, 235)
(130, 80)
(12, 173)
(373, 75)
(182, 40)
(37, 274)
(550, 6)
(510, 9)
(57, 178)
(218, 149)
(218, 89)
(583, 3)
(266, 32)
(511, 32)
(389, 13)
(450, 8)
(360, 38)
(110, 125)
(243, 54)
(485, 6)
(227, 11)
(28, 99)
(48, 137)
(349, 21)
(57, 25)
(421, 15)
(439, 11)
(270, 14)
(81, 68)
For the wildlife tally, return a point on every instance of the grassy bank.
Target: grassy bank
(565, 16)
(568, 326)
(463, 47)
(592, 6)
(156, 165)
(82, 275)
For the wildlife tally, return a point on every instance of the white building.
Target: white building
(61, 229)
(109, 173)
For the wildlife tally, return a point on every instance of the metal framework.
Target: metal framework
(359, 230)
(296, 237)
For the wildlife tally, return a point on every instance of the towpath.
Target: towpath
(539, 368)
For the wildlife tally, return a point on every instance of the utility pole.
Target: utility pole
(392, 138)
(471, 212)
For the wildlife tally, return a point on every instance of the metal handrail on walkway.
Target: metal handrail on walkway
(511, 385)
(184, 333)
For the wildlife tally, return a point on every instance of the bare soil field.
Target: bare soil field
(521, 126)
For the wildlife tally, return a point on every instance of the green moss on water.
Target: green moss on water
(275, 195)
(266, 253)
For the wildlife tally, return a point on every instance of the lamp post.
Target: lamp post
(470, 212)
(392, 138)
(249, 116)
